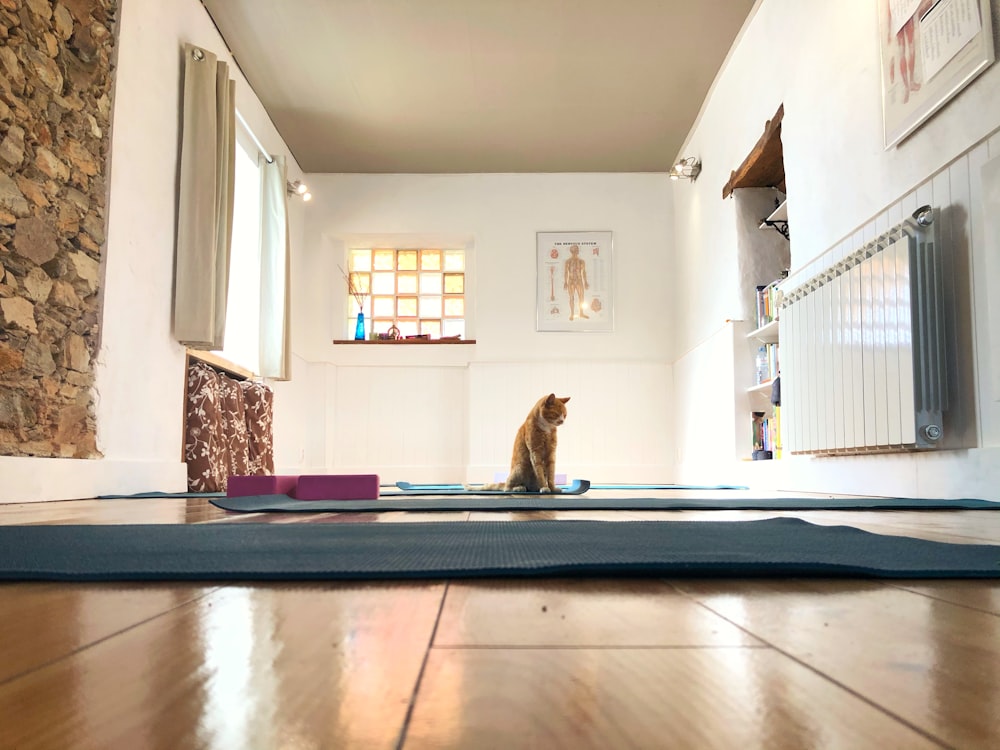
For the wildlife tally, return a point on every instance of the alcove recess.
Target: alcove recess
(763, 254)
(758, 188)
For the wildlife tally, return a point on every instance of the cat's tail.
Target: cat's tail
(481, 487)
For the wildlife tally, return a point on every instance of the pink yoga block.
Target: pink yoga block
(337, 487)
(241, 486)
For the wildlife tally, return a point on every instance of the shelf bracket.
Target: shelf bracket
(779, 225)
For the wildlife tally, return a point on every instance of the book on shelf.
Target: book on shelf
(767, 303)
(767, 363)
(766, 435)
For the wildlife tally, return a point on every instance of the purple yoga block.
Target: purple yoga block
(241, 486)
(337, 487)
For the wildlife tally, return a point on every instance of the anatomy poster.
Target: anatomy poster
(574, 283)
(931, 49)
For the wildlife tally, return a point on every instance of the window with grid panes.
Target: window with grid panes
(419, 290)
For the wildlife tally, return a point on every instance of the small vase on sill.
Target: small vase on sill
(359, 329)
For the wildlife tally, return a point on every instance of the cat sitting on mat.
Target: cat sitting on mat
(533, 463)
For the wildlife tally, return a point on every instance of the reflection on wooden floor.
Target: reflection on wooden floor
(546, 663)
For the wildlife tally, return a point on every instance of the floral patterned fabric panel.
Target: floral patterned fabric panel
(259, 402)
(234, 427)
(228, 429)
(205, 448)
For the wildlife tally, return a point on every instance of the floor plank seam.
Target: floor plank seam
(423, 668)
(822, 675)
(104, 639)
(941, 599)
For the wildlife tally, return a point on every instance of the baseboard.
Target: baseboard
(971, 473)
(28, 480)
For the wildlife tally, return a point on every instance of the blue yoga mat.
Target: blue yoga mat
(258, 552)
(413, 486)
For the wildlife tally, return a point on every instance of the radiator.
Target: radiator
(862, 348)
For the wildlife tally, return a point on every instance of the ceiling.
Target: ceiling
(468, 86)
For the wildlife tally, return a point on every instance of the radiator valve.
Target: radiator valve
(931, 432)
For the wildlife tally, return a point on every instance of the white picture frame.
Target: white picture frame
(930, 51)
(574, 281)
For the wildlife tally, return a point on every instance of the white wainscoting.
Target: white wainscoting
(403, 423)
(456, 424)
(618, 427)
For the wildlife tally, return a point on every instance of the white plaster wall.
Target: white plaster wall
(449, 413)
(139, 366)
(821, 60)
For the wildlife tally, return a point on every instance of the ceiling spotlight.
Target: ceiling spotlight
(299, 188)
(687, 169)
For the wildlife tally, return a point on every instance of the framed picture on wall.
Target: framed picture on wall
(574, 281)
(931, 50)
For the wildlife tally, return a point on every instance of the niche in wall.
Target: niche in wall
(758, 187)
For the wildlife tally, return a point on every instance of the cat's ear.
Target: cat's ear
(564, 400)
(550, 399)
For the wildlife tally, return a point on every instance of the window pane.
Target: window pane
(454, 283)
(453, 328)
(430, 260)
(385, 260)
(454, 260)
(407, 327)
(384, 307)
(409, 288)
(430, 307)
(362, 282)
(383, 283)
(242, 333)
(360, 260)
(406, 260)
(407, 283)
(430, 283)
(406, 307)
(354, 310)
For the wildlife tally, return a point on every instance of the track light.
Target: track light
(687, 169)
(300, 189)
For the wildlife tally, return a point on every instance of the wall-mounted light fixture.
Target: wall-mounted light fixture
(686, 169)
(300, 189)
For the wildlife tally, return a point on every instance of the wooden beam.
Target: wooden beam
(765, 166)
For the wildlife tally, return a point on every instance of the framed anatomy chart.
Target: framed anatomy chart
(574, 281)
(931, 50)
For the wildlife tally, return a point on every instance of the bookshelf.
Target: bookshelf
(765, 415)
(764, 257)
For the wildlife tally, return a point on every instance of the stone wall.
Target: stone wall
(55, 112)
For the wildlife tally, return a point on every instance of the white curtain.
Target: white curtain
(205, 201)
(275, 347)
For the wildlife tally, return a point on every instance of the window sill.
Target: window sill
(405, 342)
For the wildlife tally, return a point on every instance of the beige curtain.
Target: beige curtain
(275, 347)
(205, 202)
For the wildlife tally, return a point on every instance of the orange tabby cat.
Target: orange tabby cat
(533, 463)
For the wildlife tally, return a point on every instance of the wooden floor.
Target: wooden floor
(554, 663)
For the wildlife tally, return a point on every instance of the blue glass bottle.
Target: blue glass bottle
(359, 329)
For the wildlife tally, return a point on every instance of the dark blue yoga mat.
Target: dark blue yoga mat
(499, 501)
(157, 494)
(256, 552)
